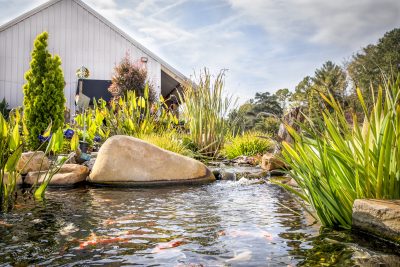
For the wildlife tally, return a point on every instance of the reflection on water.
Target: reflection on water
(220, 224)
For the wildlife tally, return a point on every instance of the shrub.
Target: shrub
(168, 141)
(43, 92)
(205, 112)
(345, 162)
(268, 125)
(129, 76)
(248, 144)
(4, 108)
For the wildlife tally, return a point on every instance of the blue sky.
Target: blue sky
(265, 44)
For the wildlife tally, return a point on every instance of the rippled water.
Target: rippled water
(220, 224)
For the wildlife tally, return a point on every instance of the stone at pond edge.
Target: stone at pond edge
(68, 175)
(33, 161)
(125, 160)
(270, 161)
(378, 217)
(18, 181)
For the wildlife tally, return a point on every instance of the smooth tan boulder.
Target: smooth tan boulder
(378, 217)
(68, 175)
(18, 180)
(270, 161)
(125, 160)
(33, 161)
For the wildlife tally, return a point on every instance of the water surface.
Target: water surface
(220, 224)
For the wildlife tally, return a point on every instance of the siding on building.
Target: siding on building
(79, 36)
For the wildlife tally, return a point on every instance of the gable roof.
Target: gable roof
(171, 71)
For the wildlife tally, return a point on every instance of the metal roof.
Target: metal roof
(164, 65)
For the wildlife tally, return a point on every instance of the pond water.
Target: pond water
(221, 224)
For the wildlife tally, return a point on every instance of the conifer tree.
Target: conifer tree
(43, 92)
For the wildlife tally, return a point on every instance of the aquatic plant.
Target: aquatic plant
(249, 144)
(345, 162)
(205, 112)
(135, 115)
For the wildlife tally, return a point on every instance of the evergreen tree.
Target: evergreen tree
(43, 92)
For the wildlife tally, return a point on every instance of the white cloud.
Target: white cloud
(265, 44)
(339, 22)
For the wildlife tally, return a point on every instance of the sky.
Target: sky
(263, 45)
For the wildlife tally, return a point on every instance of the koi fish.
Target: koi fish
(94, 240)
(170, 244)
(3, 223)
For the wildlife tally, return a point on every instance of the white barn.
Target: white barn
(81, 37)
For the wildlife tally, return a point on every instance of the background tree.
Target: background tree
(43, 92)
(375, 63)
(331, 79)
(283, 96)
(261, 113)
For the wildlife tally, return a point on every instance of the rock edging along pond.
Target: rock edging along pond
(124, 160)
(378, 217)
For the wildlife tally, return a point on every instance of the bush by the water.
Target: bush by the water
(205, 111)
(43, 92)
(345, 162)
(248, 144)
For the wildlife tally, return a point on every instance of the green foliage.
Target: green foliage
(168, 141)
(268, 125)
(11, 150)
(205, 111)
(346, 162)
(4, 108)
(248, 144)
(129, 115)
(43, 92)
(129, 76)
(376, 63)
(258, 114)
(283, 96)
(331, 79)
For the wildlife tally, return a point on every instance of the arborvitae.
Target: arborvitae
(43, 92)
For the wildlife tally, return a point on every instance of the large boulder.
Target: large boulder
(68, 175)
(378, 217)
(33, 161)
(124, 160)
(271, 161)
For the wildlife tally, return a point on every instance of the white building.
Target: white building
(81, 37)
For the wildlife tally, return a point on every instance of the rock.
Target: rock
(90, 163)
(271, 162)
(244, 160)
(33, 161)
(378, 217)
(18, 181)
(229, 176)
(292, 182)
(71, 158)
(68, 175)
(125, 160)
(257, 175)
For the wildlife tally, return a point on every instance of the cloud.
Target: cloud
(339, 22)
(265, 44)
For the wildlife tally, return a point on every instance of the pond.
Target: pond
(220, 224)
